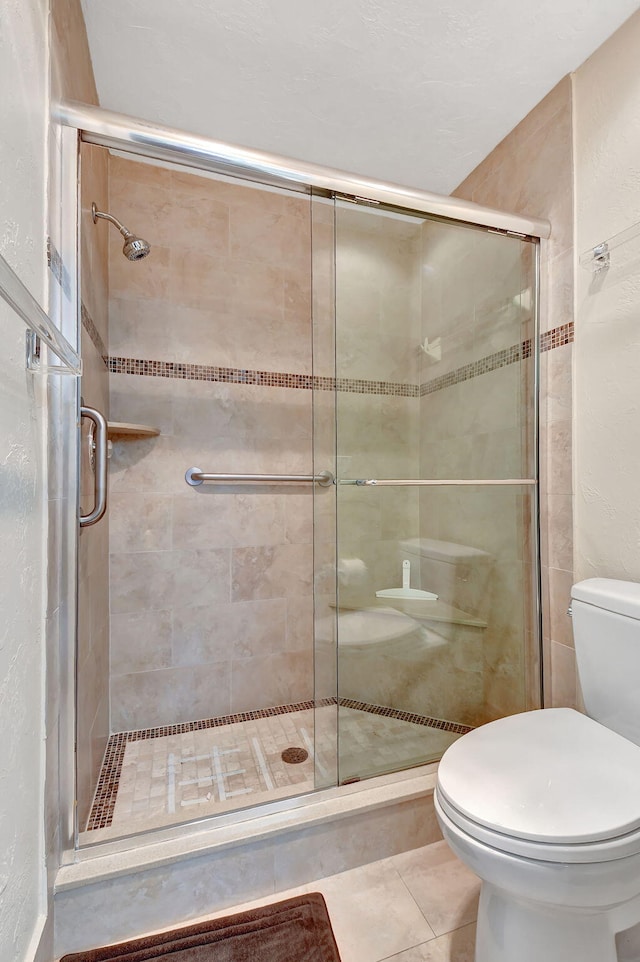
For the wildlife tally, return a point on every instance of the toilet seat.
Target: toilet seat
(551, 785)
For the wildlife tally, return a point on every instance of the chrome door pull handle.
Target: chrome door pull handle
(100, 483)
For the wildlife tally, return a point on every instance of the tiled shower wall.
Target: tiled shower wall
(476, 423)
(399, 281)
(531, 171)
(211, 603)
(377, 334)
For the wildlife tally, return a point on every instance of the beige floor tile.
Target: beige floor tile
(444, 888)
(457, 946)
(375, 918)
(372, 913)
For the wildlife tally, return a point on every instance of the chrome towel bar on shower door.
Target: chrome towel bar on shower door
(195, 476)
(402, 482)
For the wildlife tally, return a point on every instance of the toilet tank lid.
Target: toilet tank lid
(621, 597)
(446, 551)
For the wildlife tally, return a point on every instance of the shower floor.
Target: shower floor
(159, 777)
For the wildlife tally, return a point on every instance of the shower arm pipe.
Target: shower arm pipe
(406, 482)
(107, 128)
(95, 213)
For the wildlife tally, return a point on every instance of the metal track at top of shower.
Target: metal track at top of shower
(106, 128)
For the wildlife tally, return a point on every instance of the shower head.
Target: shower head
(135, 248)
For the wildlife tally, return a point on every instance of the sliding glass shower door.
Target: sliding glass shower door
(435, 605)
(259, 634)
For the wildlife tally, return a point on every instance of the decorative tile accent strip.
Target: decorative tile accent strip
(59, 271)
(104, 802)
(234, 375)
(57, 268)
(94, 333)
(549, 340)
(503, 358)
(558, 337)
(408, 716)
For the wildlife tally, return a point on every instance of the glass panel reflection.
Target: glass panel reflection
(435, 327)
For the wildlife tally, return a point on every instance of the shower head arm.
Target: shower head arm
(95, 213)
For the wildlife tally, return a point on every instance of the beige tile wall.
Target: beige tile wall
(211, 587)
(481, 428)
(377, 288)
(397, 282)
(531, 171)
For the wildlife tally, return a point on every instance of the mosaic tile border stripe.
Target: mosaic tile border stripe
(236, 375)
(503, 358)
(425, 720)
(549, 340)
(59, 271)
(101, 815)
(557, 337)
(57, 268)
(94, 334)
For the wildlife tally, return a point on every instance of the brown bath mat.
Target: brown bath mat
(296, 930)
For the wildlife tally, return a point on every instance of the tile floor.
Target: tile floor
(416, 907)
(178, 777)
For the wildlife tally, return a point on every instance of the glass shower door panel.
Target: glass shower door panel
(436, 582)
(209, 657)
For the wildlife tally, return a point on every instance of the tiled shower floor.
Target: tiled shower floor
(163, 776)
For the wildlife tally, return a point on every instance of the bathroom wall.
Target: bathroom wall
(24, 54)
(607, 407)
(211, 594)
(532, 171)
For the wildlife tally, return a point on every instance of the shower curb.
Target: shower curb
(108, 895)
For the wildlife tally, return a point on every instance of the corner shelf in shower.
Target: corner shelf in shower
(121, 430)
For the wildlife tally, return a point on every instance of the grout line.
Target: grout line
(266, 774)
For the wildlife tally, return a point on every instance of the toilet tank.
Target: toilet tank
(457, 573)
(606, 631)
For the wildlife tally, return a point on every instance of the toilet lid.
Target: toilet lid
(552, 775)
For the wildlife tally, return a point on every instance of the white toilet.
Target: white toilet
(545, 806)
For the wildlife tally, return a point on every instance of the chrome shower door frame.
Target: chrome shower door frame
(80, 123)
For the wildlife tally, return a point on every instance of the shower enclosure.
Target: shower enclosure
(318, 561)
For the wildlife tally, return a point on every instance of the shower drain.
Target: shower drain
(293, 756)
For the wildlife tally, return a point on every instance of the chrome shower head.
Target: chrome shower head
(135, 248)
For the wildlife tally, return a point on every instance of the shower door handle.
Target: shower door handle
(100, 467)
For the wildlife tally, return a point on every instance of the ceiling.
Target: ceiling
(416, 92)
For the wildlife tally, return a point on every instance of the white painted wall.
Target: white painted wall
(23, 176)
(402, 90)
(607, 357)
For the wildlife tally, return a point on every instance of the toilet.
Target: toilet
(459, 574)
(544, 806)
